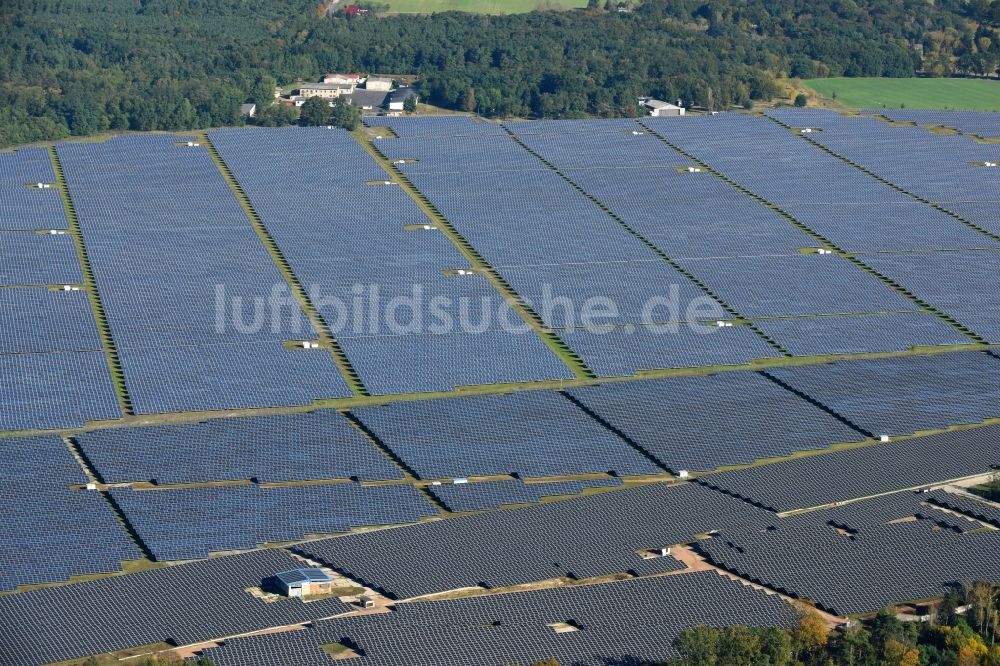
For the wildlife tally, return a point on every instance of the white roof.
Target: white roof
(658, 104)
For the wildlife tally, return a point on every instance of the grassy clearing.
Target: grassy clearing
(876, 93)
(481, 6)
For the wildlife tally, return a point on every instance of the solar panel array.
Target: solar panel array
(596, 535)
(364, 243)
(645, 182)
(864, 472)
(181, 605)
(507, 629)
(958, 283)
(808, 336)
(23, 205)
(532, 433)
(494, 494)
(55, 390)
(987, 512)
(903, 395)
(701, 423)
(50, 532)
(980, 123)
(289, 447)
(939, 168)
(492, 190)
(190, 523)
(29, 258)
(858, 563)
(40, 320)
(186, 283)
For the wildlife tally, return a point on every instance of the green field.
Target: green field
(480, 6)
(875, 93)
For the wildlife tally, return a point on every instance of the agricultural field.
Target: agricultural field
(481, 6)
(713, 394)
(941, 94)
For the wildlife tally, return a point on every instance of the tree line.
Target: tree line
(964, 631)
(77, 67)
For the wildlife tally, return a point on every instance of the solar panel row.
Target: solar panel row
(50, 532)
(289, 447)
(196, 307)
(180, 604)
(596, 535)
(373, 250)
(508, 629)
(864, 472)
(190, 523)
(888, 558)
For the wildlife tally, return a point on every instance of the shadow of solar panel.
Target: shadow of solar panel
(55, 390)
(903, 395)
(533, 434)
(288, 447)
(190, 523)
(864, 472)
(182, 604)
(50, 532)
(701, 423)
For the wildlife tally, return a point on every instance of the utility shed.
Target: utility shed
(303, 582)
(659, 108)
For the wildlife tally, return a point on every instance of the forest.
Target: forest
(78, 67)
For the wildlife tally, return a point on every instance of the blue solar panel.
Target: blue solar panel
(808, 336)
(29, 258)
(191, 523)
(636, 175)
(39, 320)
(798, 284)
(288, 447)
(944, 169)
(961, 284)
(195, 303)
(619, 352)
(904, 395)
(702, 423)
(55, 390)
(427, 363)
(364, 258)
(534, 433)
(984, 124)
(228, 376)
(50, 532)
(568, 295)
(23, 205)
